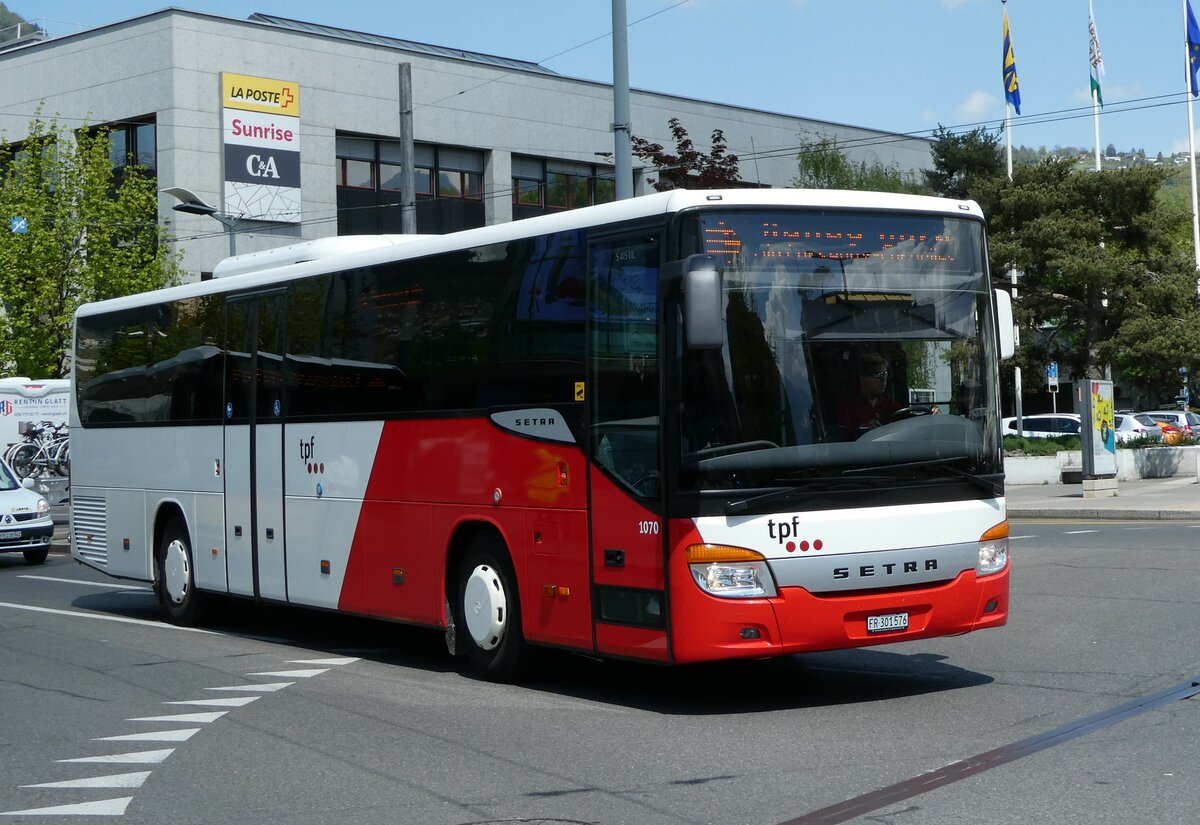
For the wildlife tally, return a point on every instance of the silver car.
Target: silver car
(1185, 420)
(1130, 426)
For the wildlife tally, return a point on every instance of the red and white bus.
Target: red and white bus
(619, 430)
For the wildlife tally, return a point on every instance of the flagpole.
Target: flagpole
(1191, 146)
(1097, 72)
(1008, 136)
(1012, 268)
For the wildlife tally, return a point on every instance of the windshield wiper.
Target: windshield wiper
(983, 482)
(827, 484)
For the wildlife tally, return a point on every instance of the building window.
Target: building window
(551, 184)
(459, 173)
(365, 163)
(356, 161)
(132, 143)
(447, 184)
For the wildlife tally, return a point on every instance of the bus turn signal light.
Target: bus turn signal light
(993, 550)
(730, 572)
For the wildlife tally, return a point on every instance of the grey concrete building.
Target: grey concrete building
(494, 138)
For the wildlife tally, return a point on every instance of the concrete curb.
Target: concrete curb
(1129, 514)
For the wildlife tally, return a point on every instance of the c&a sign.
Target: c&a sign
(261, 127)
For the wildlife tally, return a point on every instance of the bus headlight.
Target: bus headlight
(993, 550)
(730, 572)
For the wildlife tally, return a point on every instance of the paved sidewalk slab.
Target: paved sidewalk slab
(1175, 498)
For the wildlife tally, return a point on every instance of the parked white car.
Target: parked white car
(25, 522)
(1043, 425)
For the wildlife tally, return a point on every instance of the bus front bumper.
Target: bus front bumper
(797, 621)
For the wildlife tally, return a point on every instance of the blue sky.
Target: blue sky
(899, 65)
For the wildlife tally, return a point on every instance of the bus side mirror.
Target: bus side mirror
(702, 302)
(1004, 324)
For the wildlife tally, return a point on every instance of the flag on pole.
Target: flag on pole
(1095, 57)
(1012, 90)
(1193, 43)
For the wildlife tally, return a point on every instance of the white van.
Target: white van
(25, 403)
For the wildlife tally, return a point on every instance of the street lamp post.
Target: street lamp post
(190, 203)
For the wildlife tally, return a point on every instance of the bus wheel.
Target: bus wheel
(488, 620)
(175, 583)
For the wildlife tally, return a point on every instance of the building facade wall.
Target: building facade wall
(168, 65)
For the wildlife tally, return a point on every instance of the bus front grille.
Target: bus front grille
(89, 524)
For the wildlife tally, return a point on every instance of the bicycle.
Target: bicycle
(44, 451)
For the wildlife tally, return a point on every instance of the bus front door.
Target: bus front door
(256, 561)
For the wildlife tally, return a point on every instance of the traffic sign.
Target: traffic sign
(18, 225)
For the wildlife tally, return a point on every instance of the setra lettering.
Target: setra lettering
(870, 571)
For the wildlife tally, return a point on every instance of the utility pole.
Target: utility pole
(622, 139)
(408, 194)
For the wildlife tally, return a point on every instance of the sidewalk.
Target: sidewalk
(1147, 498)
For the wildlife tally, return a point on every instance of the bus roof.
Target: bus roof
(262, 269)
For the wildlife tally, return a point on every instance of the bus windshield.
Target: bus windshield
(857, 348)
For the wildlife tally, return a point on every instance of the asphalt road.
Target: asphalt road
(1081, 709)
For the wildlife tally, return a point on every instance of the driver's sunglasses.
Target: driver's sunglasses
(882, 375)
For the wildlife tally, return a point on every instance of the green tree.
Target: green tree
(960, 161)
(822, 164)
(1101, 271)
(81, 236)
(689, 168)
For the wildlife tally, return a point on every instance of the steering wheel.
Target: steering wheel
(647, 485)
(910, 411)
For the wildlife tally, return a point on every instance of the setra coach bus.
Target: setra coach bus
(682, 427)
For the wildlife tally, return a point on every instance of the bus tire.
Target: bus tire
(488, 612)
(175, 582)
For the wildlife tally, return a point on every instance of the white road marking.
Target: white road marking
(1010, 538)
(153, 736)
(229, 702)
(269, 687)
(104, 807)
(86, 584)
(1078, 532)
(135, 758)
(113, 780)
(117, 806)
(293, 674)
(103, 618)
(194, 718)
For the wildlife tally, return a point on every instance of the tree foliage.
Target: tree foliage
(960, 161)
(823, 164)
(1103, 282)
(688, 167)
(81, 236)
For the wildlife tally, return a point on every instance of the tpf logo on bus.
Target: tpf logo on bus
(308, 454)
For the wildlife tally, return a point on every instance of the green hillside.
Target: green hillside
(8, 23)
